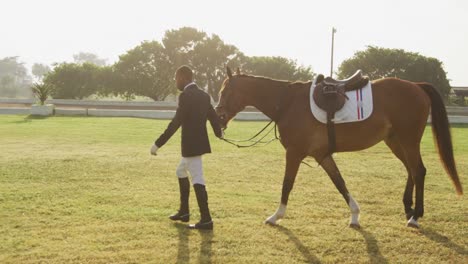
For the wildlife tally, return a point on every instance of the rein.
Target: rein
(253, 142)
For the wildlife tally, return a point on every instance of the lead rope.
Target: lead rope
(255, 143)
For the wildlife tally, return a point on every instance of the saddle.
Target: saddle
(330, 95)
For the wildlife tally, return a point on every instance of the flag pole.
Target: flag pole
(332, 47)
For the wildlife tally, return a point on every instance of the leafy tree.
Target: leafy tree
(39, 70)
(73, 81)
(207, 55)
(107, 81)
(87, 57)
(379, 63)
(145, 70)
(8, 87)
(277, 67)
(179, 44)
(14, 79)
(209, 61)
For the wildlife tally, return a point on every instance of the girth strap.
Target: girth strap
(331, 132)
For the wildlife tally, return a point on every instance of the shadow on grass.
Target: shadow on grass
(372, 247)
(459, 125)
(299, 245)
(183, 250)
(444, 241)
(205, 246)
(29, 119)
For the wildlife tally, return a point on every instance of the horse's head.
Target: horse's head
(231, 100)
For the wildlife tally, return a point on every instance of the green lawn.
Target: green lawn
(86, 190)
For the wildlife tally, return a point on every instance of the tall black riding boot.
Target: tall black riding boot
(183, 214)
(202, 199)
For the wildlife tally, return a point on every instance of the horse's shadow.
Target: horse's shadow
(183, 250)
(444, 241)
(372, 246)
(310, 258)
(373, 249)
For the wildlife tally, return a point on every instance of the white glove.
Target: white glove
(154, 149)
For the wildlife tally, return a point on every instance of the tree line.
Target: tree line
(148, 69)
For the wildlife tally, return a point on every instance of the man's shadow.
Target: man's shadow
(183, 250)
(444, 241)
(205, 246)
(310, 258)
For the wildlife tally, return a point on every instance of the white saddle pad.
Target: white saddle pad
(359, 106)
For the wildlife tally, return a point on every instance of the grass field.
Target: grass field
(86, 190)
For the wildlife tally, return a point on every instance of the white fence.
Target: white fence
(90, 103)
(156, 110)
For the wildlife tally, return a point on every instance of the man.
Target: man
(193, 111)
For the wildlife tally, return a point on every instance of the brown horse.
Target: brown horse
(399, 117)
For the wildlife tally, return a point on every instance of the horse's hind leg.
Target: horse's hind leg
(293, 160)
(408, 197)
(394, 145)
(418, 173)
(329, 165)
(410, 155)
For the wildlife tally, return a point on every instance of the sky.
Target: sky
(49, 31)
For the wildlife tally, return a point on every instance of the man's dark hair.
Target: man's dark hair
(185, 71)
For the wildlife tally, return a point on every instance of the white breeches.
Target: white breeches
(192, 166)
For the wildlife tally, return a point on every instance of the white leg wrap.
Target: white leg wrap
(412, 223)
(277, 215)
(355, 210)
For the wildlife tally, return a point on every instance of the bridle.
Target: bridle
(252, 142)
(261, 142)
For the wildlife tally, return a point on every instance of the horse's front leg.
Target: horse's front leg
(329, 165)
(293, 160)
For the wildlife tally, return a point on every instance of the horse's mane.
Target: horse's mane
(296, 85)
(243, 75)
(290, 83)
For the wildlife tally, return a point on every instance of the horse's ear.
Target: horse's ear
(238, 71)
(229, 72)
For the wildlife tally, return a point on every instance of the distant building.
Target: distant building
(461, 92)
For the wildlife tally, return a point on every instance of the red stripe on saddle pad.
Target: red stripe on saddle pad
(357, 105)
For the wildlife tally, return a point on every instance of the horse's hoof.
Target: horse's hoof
(271, 220)
(412, 223)
(355, 226)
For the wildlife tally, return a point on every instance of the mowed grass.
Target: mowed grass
(86, 190)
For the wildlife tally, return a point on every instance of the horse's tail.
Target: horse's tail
(441, 134)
